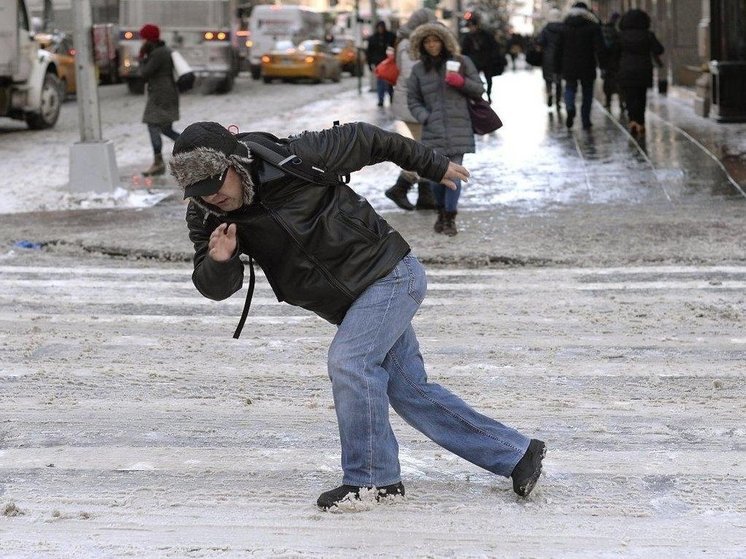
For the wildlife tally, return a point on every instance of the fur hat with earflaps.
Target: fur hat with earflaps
(437, 29)
(201, 157)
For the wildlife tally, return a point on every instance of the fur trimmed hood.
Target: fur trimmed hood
(580, 16)
(205, 150)
(427, 29)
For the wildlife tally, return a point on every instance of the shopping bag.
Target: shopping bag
(387, 70)
(483, 119)
(183, 73)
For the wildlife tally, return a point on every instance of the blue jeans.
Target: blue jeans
(374, 362)
(155, 131)
(382, 88)
(445, 197)
(571, 88)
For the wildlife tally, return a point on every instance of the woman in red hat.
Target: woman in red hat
(162, 107)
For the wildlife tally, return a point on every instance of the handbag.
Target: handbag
(183, 73)
(387, 70)
(483, 119)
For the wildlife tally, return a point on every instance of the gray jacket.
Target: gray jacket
(157, 70)
(440, 108)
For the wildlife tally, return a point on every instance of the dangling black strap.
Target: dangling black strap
(247, 303)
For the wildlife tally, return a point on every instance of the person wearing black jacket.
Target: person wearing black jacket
(637, 47)
(547, 40)
(375, 53)
(480, 45)
(322, 247)
(580, 50)
(162, 106)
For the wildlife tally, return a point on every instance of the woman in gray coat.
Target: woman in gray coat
(438, 99)
(162, 107)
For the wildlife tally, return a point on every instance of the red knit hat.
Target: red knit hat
(150, 32)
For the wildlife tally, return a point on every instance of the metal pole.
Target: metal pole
(93, 166)
(89, 115)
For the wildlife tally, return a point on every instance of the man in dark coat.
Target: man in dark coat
(375, 53)
(608, 75)
(480, 45)
(547, 40)
(322, 247)
(580, 50)
(162, 106)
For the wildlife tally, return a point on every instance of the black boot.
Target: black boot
(349, 493)
(157, 168)
(449, 224)
(425, 198)
(526, 473)
(440, 222)
(398, 194)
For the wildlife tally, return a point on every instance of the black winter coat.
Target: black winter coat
(636, 50)
(377, 45)
(319, 246)
(580, 48)
(157, 69)
(484, 51)
(547, 40)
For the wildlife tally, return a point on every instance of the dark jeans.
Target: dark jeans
(636, 99)
(155, 131)
(571, 89)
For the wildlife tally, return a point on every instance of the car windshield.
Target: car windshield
(284, 45)
(307, 46)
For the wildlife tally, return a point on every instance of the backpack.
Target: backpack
(279, 162)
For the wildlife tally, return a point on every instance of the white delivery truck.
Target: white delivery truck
(203, 31)
(270, 23)
(29, 87)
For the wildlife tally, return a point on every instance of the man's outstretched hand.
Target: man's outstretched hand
(454, 172)
(222, 243)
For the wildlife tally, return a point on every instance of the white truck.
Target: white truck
(203, 31)
(270, 23)
(29, 87)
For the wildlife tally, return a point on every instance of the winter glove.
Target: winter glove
(455, 79)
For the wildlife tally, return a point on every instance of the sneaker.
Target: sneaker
(526, 473)
(350, 493)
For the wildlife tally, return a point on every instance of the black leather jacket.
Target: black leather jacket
(320, 246)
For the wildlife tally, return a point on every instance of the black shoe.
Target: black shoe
(570, 119)
(349, 493)
(526, 473)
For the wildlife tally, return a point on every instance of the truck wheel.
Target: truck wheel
(225, 85)
(136, 86)
(51, 101)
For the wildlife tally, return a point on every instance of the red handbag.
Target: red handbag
(387, 70)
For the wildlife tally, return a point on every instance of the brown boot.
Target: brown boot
(449, 224)
(438, 227)
(157, 168)
(425, 198)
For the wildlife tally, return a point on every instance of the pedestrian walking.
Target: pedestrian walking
(375, 53)
(610, 33)
(324, 248)
(162, 106)
(580, 50)
(438, 99)
(480, 45)
(405, 62)
(547, 40)
(638, 46)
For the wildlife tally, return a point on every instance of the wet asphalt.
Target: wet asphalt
(540, 193)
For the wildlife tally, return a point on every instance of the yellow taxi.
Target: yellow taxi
(61, 46)
(309, 60)
(347, 53)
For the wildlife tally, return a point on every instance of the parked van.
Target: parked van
(270, 23)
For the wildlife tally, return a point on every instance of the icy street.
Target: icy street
(594, 298)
